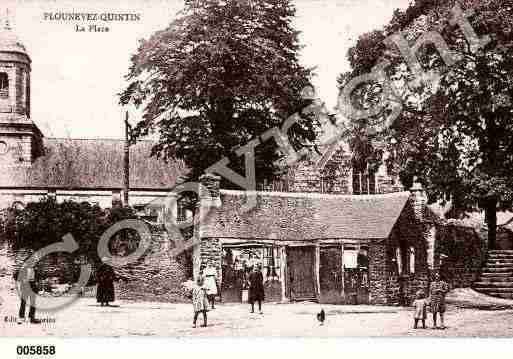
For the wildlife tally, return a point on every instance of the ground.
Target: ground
(87, 318)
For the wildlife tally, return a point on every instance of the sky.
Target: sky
(77, 75)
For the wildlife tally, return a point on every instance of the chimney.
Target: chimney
(209, 191)
(419, 200)
(208, 249)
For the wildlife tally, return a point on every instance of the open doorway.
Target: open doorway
(356, 275)
(238, 262)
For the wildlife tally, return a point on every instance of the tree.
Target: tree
(454, 133)
(220, 75)
(47, 221)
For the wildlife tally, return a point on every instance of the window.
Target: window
(4, 84)
(412, 260)
(356, 257)
(405, 259)
(181, 215)
(363, 258)
(350, 258)
(364, 182)
(399, 260)
(271, 262)
(4, 148)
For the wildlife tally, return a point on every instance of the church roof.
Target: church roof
(305, 216)
(93, 164)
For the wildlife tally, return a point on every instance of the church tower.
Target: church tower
(20, 139)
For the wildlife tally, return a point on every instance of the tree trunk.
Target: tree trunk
(491, 221)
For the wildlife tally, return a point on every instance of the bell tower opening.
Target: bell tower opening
(4, 85)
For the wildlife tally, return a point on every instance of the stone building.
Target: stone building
(313, 246)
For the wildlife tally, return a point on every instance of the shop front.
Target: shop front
(298, 272)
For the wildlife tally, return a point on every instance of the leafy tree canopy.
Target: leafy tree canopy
(455, 133)
(222, 73)
(46, 222)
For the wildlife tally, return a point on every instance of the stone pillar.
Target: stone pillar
(378, 274)
(430, 247)
(208, 249)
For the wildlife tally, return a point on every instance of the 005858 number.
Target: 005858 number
(35, 350)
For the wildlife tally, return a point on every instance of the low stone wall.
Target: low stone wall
(157, 276)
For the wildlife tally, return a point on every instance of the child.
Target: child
(420, 305)
(199, 301)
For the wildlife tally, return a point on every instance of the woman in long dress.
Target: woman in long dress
(105, 280)
(210, 283)
(437, 291)
(256, 288)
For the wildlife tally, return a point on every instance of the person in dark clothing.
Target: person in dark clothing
(27, 284)
(105, 281)
(256, 288)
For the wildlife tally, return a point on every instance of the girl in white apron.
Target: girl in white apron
(210, 283)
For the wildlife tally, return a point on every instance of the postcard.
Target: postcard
(255, 168)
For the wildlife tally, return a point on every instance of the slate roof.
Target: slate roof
(92, 164)
(301, 216)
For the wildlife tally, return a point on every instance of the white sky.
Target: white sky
(76, 76)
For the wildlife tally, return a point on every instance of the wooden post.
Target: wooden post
(283, 273)
(126, 160)
(343, 293)
(317, 269)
